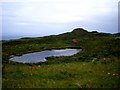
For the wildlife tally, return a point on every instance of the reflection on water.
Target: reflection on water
(40, 56)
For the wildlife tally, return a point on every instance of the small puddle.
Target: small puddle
(40, 56)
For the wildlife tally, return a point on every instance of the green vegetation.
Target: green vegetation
(97, 66)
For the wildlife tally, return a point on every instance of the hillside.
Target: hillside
(96, 66)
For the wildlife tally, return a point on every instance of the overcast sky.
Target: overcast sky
(46, 17)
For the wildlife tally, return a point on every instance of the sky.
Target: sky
(34, 18)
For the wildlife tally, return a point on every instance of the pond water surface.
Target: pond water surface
(40, 56)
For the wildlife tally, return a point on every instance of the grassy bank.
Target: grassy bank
(69, 75)
(97, 66)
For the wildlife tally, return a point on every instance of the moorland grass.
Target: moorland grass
(62, 75)
(97, 66)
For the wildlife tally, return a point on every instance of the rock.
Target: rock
(74, 41)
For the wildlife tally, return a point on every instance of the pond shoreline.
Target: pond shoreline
(41, 56)
(62, 48)
(49, 49)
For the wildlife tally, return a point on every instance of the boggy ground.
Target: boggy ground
(97, 66)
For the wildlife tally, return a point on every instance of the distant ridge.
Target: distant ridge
(80, 30)
(77, 32)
